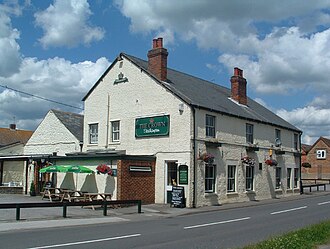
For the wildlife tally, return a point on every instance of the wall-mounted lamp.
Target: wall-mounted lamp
(181, 108)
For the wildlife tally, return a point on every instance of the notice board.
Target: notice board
(178, 198)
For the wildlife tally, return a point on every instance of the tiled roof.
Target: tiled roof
(12, 136)
(205, 94)
(306, 147)
(72, 121)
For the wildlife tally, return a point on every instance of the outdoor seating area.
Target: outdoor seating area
(69, 195)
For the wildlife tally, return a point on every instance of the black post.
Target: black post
(64, 209)
(139, 206)
(105, 207)
(18, 212)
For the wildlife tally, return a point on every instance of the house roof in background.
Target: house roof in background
(306, 147)
(205, 94)
(72, 121)
(13, 136)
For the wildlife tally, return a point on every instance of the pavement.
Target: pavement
(36, 218)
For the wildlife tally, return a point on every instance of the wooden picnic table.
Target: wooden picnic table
(52, 193)
(94, 196)
(72, 195)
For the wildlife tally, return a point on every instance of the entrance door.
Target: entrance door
(172, 179)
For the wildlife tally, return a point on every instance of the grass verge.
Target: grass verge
(306, 238)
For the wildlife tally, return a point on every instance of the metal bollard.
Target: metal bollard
(64, 209)
(139, 207)
(18, 212)
(105, 208)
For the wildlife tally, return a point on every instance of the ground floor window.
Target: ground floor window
(249, 177)
(209, 178)
(231, 178)
(288, 178)
(296, 177)
(278, 177)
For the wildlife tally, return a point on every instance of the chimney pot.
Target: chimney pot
(238, 87)
(12, 126)
(157, 59)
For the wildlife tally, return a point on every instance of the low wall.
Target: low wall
(11, 190)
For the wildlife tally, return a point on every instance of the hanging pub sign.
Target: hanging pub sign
(152, 126)
(183, 174)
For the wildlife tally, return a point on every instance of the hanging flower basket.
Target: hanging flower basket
(306, 165)
(104, 169)
(271, 162)
(248, 160)
(206, 157)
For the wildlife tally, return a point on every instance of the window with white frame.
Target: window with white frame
(321, 154)
(249, 177)
(209, 178)
(277, 134)
(249, 133)
(278, 178)
(115, 131)
(93, 133)
(210, 125)
(231, 178)
(296, 177)
(295, 141)
(288, 178)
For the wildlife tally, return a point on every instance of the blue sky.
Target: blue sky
(58, 50)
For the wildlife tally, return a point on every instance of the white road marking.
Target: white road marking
(217, 223)
(323, 203)
(288, 210)
(87, 241)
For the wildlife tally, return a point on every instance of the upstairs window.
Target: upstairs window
(249, 133)
(210, 125)
(115, 130)
(93, 133)
(277, 135)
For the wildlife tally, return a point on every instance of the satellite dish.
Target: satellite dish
(278, 142)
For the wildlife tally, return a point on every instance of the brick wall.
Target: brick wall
(136, 185)
(320, 167)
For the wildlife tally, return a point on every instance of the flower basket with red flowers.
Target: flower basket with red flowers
(271, 162)
(104, 169)
(306, 165)
(206, 157)
(248, 160)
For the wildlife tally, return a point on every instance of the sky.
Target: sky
(53, 52)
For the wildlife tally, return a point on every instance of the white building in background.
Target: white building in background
(217, 143)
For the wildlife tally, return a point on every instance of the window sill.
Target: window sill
(210, 194)
(250, 192)
(278, 191)
(229, 194)
(114, 142)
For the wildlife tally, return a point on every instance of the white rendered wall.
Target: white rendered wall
(51, 136)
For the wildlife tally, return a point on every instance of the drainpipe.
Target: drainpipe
(194, 155)
(300, 181)
(107, 134)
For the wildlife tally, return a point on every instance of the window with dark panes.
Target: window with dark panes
(210, 125)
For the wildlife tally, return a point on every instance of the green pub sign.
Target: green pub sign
(183, 174)
(152, 126)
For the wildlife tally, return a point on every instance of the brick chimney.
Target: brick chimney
(238, 86)
(157, 59)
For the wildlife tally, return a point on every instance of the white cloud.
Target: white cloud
(55, 79)
(10, 58)
(311, 120)
(65, 23)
